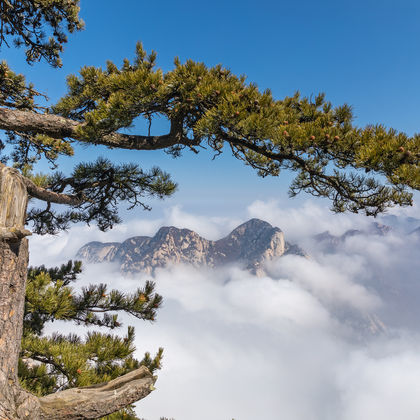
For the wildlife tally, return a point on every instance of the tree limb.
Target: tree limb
(51, 196)
(98, 400)
(59, 127)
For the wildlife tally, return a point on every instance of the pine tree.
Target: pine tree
(51, 364)
(359, 169)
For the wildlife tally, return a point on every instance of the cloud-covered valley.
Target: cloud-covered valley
(298, 343)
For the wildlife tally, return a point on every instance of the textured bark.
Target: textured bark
(16, 403)
(60, 127)
(97, 401)
(51, 196)
(14, 264)
(13, 201)
(52, 125)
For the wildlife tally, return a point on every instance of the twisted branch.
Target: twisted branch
(59, 127)
(98, 400)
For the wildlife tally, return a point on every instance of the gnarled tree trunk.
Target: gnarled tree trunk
(15, 402)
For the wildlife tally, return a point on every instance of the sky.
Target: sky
(237, 346)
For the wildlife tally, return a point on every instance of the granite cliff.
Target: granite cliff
(250, 245)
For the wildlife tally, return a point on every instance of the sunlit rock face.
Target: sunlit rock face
(251, 245)
(95, 252)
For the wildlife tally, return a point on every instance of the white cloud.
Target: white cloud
(243, 347)
(383, 388)
(306, 220)
(208, 227)
(241, 297)
(238, 346)
(332, 284)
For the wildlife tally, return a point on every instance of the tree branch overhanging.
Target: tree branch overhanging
(51, 196)
(59, 127)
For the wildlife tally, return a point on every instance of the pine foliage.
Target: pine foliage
(25, 22)
(359, 169)
(99, 187)
(52, 363)
(14, 91)
(215, 107)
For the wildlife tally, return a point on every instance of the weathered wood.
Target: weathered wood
(13, 202)
(51, 196)
(14, 264)
(98, 401)
(15, 403)
(60, 127)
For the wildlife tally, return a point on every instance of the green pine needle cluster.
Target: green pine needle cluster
(50, 296)
(52, 363)
(25, 22)
(98, 188)
(27, 148)
(14, 91)
(358, 169)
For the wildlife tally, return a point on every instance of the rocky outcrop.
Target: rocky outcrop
(250, 245)
(98, 252)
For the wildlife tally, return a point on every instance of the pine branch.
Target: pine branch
(212, 107)
(98, 400)
(49, 196)
(24, 21)
(59, 127)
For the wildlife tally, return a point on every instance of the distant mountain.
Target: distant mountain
(402, 224)
(254, 243)
(416, 232)
(250, 245)
(332, 242)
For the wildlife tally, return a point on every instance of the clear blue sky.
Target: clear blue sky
(365, 53)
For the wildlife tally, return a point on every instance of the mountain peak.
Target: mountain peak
(332, 242)
(251, 244)
(172, 230)
(254, 223)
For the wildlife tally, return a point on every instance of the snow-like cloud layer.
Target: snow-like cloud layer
(278, 346)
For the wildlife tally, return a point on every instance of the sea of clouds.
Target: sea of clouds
(287, 345)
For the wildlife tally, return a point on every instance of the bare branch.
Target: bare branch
(51, 196)
(27, 121)
(60, 127)
(98, 400)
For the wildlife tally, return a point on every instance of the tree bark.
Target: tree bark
(60, 127)
(15, 402)
(99, 400)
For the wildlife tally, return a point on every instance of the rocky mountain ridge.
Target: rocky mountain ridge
(332, 242)
(250, 245)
